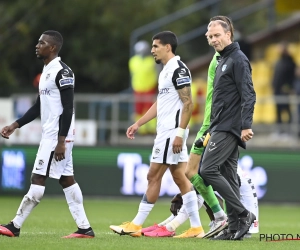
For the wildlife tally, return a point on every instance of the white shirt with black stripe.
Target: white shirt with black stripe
(175, 75)
(55, 77)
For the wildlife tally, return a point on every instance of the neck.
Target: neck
(168, 58)
(49, 59)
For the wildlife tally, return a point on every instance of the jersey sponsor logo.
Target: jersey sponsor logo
(183, 80)
(66, 81)
(164, 91)
(224, 67)
(44, 91)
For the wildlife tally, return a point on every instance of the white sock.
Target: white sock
(30, 200)
(190, 202)
(166, 221)
(220, 215)
(75, 201)
(143, 212)
(181, 217)
(200, 201)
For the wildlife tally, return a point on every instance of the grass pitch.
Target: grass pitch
(51, 220)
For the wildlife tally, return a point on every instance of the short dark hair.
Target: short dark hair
(226, 23)
(56, 38)
(167, 37)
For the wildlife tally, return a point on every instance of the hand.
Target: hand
(131, 131)
(247, 134)
(59, 152)
(8, 130)
(177, 145)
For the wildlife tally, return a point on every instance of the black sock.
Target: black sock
(244, 213)
(83, 231)
(232, 231)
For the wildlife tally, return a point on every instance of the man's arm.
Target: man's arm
(150, 114)
(67, 97)
(243, 78)
(186, 98)
(31, 113)
(29, 116)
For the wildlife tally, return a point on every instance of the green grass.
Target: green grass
(51, 220)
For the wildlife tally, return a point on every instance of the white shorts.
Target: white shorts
(162, 151)
(45, 164)
(249, 200)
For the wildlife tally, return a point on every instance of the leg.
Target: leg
(190, 201)
(74, 197)
(154, 177)
(133, 228)
(225, 143)
(29, 202)
(192, 172)
(230, 175)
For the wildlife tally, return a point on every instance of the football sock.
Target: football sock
(200, 201)
(190, 202)
(181, 217)
(206, 192)
(75, 201)
(30, 200)
(143, 212)
(166, 221)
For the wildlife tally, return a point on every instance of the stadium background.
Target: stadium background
(104, 98)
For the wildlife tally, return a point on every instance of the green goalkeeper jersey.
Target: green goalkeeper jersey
(208, 102)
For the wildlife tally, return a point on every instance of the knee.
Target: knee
(67, 181)
(153, 176)
(37, 179)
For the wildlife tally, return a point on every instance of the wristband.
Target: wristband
(180, 132)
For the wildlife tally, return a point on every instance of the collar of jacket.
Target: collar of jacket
(229, 49)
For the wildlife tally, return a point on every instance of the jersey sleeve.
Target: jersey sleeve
(65, 79)
(181, 77)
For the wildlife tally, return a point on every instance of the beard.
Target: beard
(158, 61)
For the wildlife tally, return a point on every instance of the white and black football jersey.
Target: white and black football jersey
(55, 77)
(175, 75)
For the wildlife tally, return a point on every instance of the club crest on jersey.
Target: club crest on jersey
(224, 67)
(41, 162)
(183, 80)
(48, 76)
(156, 151)
(65, 72)
(182, 72)
(66, 81)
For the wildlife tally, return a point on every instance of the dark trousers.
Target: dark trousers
(219, 169)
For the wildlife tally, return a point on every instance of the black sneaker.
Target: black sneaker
(243, 225)
(81, 233)
(9, 230)
(225, 234)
